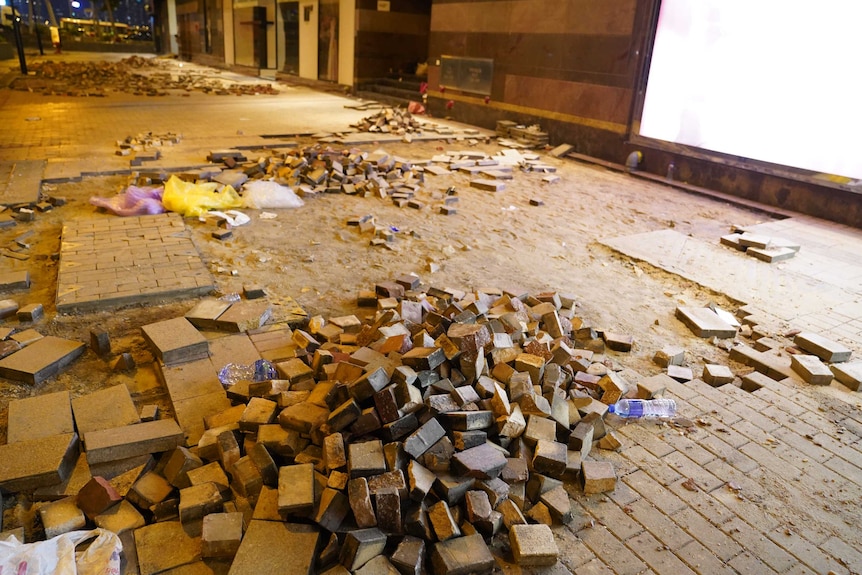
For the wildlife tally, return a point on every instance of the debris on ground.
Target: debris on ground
(133, 75)
(765, 248)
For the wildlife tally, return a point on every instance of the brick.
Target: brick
(418, 442)
(811, 370)
(258, 412)
(550, 458)
(96, 496)
(132, 440)
(442, 522)
(679, 373)
(388, 502)
(717, 375)
(360, 546)
(462, 556)
(199, 500)
(175, 341)
(296, 489)
(359, 498)
(849, 374)
(409, 556)
(533, 545)
(598, 476)
(206, 312)
(221, 535)
(149, 490)
(824, 348)
(704, 322)
(482, 462)
(61, 517)
(31, 313)
(247, 479)
(273, 547)
(303, 417)
(487, 185)
(333, 509)
(120, 518)
(771, 254)
(366, 458)
(37, 463)
(39, 417)
(614, 387)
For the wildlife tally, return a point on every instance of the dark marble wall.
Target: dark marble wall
(392, 42)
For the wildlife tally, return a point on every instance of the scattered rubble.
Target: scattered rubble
(133, 75)
(765, 248)
(516, 135)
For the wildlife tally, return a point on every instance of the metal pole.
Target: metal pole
(19, 41)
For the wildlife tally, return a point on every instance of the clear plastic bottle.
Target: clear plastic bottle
(633, 408)
(260, 370)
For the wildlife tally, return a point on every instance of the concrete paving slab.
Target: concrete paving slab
(132, 440)
(24, 183)
(37, 462)
(40, 416)
(274, 547)
(41, 360)
(175, 341)
(111, 262)
(104, 409)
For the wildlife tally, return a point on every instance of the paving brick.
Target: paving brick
(61, 517)
(41, 360)
(244, 316)
(462, 556)
(120, 518)
(656, 494)
(221, 534)
(598, 476)
(360, 546)
(296, 489)
(37, 463)
(366, 458)
(482, 462)
(39, 417)
(704, 322)
(198, 501)
(175, 341)
(96, 496)
(270, 547)
(533, 545)
(205, 313)
(165, 545)
(132, 440)
(149, 490)
(850, 374)
(824, 348)
(811, 370)
(104, 409)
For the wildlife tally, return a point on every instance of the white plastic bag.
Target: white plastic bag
(262, 194)
(57, 556)
(232, 217)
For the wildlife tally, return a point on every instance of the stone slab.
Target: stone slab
(132, 440)
(104, 409)
(206, 312)
(176, 341)
(165, 545)
(41, 360)
(273, 547)
(237, 349)
(191, 379)
(39, 417)
(462, 556)
(38, 462)
(244, 315)
(24, 183)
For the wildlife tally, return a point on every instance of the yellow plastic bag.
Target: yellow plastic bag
(190, 199)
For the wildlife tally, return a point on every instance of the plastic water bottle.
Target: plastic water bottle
(633, 408)
(260, 370)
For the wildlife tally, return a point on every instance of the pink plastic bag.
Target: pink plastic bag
(134, 201)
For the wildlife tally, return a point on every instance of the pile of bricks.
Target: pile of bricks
(527, 136)
(389, 121)
(765, 248)
(145, 142)
(445, 425)
(133, 75)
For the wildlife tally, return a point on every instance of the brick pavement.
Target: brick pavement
(107, 263)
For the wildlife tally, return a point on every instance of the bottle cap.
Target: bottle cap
(612, 408)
